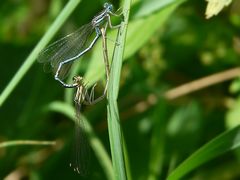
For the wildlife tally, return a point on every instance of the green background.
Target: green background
(169, 43)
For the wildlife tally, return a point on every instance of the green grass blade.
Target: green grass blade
(68, 9)
(149, 25)
(97, 146)
(115, 133)
(148, 7)
(227, 141)
(158, 141)
(126, 160)
(26, 142)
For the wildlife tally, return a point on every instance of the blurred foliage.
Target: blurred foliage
(159, 133)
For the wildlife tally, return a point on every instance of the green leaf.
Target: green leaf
(158, 141)
(115, 133)
(227, 141)
(148, 7)
(232, 117)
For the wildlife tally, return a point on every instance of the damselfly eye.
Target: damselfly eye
(105, 5)
(108, 6)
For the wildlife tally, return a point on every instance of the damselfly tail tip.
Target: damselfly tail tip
(75, 169)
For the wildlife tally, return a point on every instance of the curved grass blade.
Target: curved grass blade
(68, 9)
(227, 141)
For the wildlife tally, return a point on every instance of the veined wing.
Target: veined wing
(81, 152)
(65, 48)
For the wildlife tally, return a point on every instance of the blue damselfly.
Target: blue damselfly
(60, 55)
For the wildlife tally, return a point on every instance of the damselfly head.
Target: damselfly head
(108, 7)
(78, 79)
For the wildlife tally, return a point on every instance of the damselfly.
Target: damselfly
(80, 159)
(59, 56)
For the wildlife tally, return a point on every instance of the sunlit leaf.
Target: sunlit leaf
(215, 6)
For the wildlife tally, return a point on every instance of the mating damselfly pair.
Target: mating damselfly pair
(60, 56)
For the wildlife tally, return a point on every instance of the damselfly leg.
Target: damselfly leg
(89, 98)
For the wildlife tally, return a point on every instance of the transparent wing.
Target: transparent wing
(65, 48)
(81, 155)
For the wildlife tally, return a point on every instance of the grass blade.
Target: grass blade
(115, 133)
(26, 142)
(66, 12)
(227, 141)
